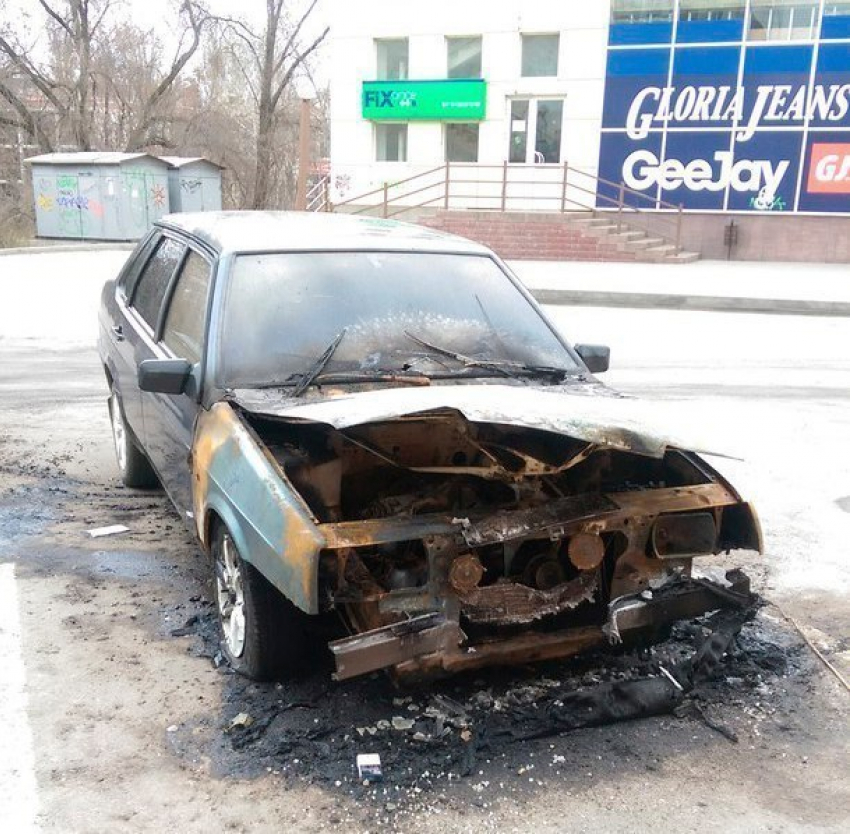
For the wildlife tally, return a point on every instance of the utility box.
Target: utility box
(194, 183)
(98, 196)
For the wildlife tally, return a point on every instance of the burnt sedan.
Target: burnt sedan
(370, 418)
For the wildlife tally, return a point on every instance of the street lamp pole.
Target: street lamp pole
(304, 142)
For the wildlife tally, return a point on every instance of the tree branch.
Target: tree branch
(299, 59)
(291, 40)
(56, 16)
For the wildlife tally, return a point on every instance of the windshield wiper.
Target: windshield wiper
(318, 366)
(506, 367)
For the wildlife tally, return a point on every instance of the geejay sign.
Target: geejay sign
(729, 127)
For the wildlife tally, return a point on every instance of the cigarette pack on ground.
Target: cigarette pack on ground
(369, 767)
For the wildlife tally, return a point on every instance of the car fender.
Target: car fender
(234, 477)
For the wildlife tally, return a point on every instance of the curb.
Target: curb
(68, 247)
(702, 303)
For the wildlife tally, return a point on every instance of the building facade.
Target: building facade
(722, 106)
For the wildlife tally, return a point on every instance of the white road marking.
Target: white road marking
(18, 789)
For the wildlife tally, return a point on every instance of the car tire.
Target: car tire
(263, 635)
(134, 467)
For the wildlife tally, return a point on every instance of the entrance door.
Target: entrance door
(536, 130)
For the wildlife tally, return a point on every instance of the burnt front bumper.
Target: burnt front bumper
(431, 644)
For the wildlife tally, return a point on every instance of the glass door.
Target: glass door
(535, 135)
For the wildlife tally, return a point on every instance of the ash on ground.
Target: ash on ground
(460, 729)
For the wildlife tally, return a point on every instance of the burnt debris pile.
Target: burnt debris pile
(314, 729)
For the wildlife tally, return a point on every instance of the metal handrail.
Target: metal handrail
(389, 195)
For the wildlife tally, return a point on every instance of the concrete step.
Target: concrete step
(682, 258)
(586, 219)
(626, 236)
(643, 244)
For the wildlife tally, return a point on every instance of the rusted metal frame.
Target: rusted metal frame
(480, 471)
(395, 643)
(678, 601)
(517, 524)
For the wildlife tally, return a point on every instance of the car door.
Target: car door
(169, 419)
(119, 330)
(142, 319)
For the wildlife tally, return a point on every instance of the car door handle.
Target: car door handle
(118, 332)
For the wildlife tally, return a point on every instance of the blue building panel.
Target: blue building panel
(712, 73)
(735, 125)
(835, 27)
(630, 34)
(629, 72)
(710, 31)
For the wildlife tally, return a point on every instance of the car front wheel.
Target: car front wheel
(132, 464)
(263, 635)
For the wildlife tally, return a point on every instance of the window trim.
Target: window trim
(163, 235)
(132, 269)
(169, 295)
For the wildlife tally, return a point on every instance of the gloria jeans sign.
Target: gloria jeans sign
(729, 126)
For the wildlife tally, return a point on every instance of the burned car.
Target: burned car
(371, 418)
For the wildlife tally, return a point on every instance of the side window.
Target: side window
(183, 333)
(130, 272)
(147, 297)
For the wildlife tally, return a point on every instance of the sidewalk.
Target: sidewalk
(728, 286)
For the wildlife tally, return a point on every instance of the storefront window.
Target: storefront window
(392, 59)
(643, 11)
(711, 10)
(782, 20)
(464, 57)
(391, 143)
(540, 55)
(461, 143)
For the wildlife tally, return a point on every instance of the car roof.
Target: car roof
(279, 231)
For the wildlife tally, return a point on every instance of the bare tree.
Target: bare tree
(68, 82)
(276, 56)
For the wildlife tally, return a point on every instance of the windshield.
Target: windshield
(380, 312)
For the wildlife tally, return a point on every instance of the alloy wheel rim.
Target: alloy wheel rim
(230, 597)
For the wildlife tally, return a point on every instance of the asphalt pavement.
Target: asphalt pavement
(111, 721)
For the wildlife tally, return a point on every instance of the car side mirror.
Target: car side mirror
(164, 376)
(596, 357)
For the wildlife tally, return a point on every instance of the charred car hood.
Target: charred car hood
(581, 411)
